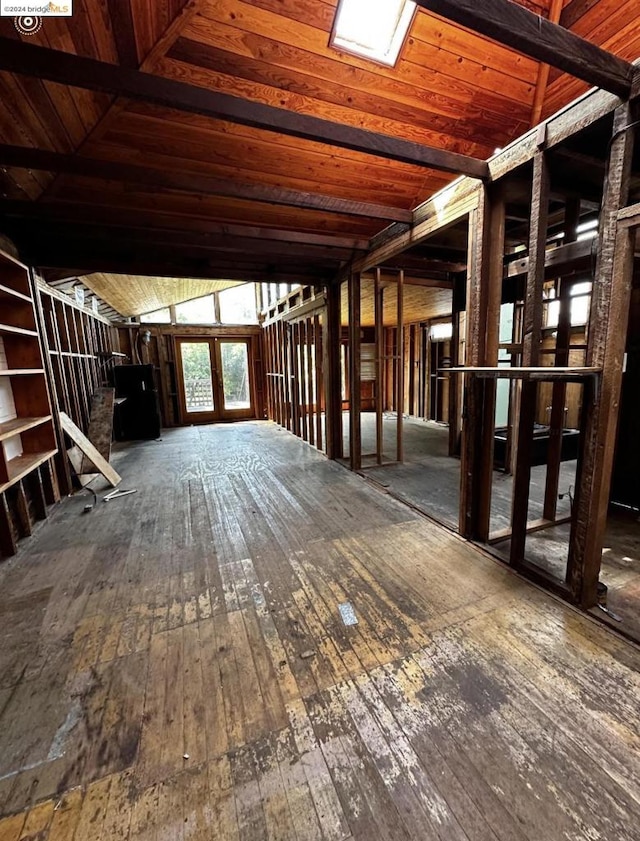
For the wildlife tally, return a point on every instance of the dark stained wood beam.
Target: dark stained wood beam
(116, 218)
(561, 260)
(124, 35)
(77, 71)
(532, 35)
(200, 184)
(153, 266)
(185, 244)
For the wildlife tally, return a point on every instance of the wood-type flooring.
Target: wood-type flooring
(174, 667)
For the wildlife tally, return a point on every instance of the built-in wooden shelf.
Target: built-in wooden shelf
(20, 331)
(20, 372)
(28, 438)
(21, 466)
(19, 425)
(7, 292)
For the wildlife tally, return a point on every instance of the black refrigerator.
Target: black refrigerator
(138, 414)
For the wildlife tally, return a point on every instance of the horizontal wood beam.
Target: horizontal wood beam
(78, 250)
(564, 257)
(181, 243)
(77, 71)
(114, 218)
(163, 267)
(198, 183)
(535, 36)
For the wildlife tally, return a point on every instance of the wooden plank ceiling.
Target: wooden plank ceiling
(134, 295)
(451, 89)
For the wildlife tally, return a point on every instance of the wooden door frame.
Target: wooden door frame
(188, 418)
(220, 414)
(236, 414)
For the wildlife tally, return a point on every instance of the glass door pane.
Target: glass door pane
(235, 375)
(196, 373)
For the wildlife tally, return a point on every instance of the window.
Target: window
(197, 311)
(374, 29)
(441, 332)
(238, 305)
(162, 316)
(580, 295)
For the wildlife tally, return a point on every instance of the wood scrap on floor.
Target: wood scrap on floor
(100, 431)
(88, 449)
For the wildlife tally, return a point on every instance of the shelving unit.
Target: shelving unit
(27, 436)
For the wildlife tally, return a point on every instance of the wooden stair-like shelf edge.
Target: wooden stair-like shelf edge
(20, 425)
(18, 331)
(7, 291)
(22, 465)
(20, 372)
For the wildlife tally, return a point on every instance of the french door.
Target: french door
(214, 379)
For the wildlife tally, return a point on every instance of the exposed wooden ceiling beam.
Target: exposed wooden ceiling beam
(77, 71)
(528, 33)
(184, 245)
(555, 11)
(114, 219)
(109, 263)
(201, 184)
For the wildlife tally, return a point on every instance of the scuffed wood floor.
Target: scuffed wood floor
(153, 683)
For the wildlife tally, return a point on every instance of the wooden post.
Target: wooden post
(531, 339)
(484, 288)
(400, 370)
(355, 365)
(379, 340)
(293, 334)
(308, 339)
(559, 389)
(333, 373)
(606, 348)
(317, 336)
(455, 386)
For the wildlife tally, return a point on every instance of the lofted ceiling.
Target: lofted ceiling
(140, 188)
(132, 295)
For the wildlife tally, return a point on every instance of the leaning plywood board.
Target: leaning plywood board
(79, 438)
(100, 426)
(76, 458)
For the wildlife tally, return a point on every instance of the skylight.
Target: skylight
(375, 29)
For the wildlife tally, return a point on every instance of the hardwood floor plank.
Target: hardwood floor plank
(464, 705)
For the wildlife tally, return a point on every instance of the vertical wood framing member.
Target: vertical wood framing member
(400, 369)
(484, 289)
(559, 389)
(61, 461)
(318, 397)
(455, 386)
(293, 334)
(379, 343)
(333, 373)
(311, 402)
(355, 366)
(606, 347)
(531, 341)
